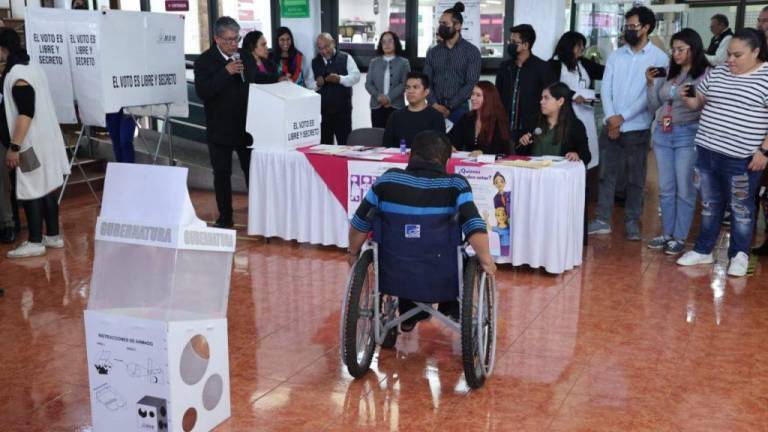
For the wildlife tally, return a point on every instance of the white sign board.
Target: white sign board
(362, 175)
(470, 30)
(283, 116)
(108, 60)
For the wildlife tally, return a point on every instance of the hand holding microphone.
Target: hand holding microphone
(236, 66)
(528, 138)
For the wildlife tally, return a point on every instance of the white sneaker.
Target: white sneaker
(694, 258)
(27, 249)
(53, 242)
(739, 265)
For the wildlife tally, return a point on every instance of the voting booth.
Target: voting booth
(156, 327)
(108, 60)
(283, 116)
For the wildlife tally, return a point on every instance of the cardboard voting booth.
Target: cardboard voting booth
(283, 116)
(156, 327)
(108, 60)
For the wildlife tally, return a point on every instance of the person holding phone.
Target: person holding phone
(732, 147)
(674, 129)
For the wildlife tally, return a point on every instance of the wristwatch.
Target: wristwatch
(14, 147)
(763, 151)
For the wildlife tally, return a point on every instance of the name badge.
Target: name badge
(412, 231)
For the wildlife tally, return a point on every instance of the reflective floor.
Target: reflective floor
(629, 341)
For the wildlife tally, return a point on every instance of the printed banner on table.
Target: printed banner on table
(362, 175)
(492, 191)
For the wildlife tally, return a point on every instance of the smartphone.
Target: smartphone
(660, 71)
(690, 91)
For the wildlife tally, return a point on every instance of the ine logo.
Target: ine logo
(165, 38)
(412, 231)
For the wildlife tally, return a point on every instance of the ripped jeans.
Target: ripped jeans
(721, 179)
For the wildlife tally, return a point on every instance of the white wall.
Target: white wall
(548, 19)
(305, 30)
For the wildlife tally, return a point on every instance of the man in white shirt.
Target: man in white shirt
(333, 74)
(722, 34)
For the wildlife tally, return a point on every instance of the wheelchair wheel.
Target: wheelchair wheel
(478, 324)
(358, 339)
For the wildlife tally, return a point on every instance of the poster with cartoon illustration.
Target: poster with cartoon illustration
(492, 191)
(361, 177)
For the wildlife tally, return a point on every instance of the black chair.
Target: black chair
(368, 137)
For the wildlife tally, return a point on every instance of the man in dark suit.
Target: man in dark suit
(220, 84)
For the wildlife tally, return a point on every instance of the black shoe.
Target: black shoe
(761, 250)
(223, 223)
(7, 235)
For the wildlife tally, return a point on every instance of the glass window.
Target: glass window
(751, 14)
(361, 22)
(251, 15)
(194, 41)
(491, 26)
(699, 19)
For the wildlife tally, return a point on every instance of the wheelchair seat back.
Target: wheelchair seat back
(418, 255)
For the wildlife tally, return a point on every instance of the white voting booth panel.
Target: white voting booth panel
(156, 327)
(108, 60)
(283, 116)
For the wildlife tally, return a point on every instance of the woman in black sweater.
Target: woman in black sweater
(259, 68)
(483, 129)
(560, 132)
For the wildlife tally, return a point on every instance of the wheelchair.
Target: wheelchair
(380, 276)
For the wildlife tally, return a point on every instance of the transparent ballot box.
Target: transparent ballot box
(156, 327)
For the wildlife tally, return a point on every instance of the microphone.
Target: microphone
(236, 57)
(537, 132)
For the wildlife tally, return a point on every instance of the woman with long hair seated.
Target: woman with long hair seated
(559, 132)
(483, 129)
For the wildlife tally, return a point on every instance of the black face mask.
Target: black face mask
(631, 37)
(512, 50)
(446, 32)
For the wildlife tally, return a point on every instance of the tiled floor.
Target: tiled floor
(629, 341)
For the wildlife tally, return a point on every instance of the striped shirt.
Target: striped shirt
(734, 121)
(452, 72)
(423, 188)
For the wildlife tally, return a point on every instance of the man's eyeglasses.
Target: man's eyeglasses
(633, 26)
(231, 40)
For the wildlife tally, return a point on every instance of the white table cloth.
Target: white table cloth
(288, 199)
(547, 219)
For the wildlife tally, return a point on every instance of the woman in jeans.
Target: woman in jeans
(673, 138)
(732, 147)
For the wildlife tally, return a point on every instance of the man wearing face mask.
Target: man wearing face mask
(626, 134)
(452, 66)
(520, 81)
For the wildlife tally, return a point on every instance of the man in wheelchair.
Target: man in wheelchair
(416, 215)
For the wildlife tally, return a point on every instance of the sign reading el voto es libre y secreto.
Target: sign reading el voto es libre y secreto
(87, 59)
